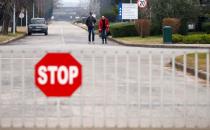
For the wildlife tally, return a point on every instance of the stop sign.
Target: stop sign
(58, 75)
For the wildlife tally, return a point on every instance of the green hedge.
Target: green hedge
(206, 27)
(123, 29)
(177, 38)
(192, 39)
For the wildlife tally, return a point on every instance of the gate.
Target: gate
(122, 88)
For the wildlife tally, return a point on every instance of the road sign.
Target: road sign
(58, 75)
(120, 10)
(142, 3)
(21, 15)
(129, 11)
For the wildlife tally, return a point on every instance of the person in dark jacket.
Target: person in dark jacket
(90, 22)
(104, 28)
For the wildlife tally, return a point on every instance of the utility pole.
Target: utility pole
(43, 9)
(39, 9)
(33, 9)
(14, 20)
(26, 21)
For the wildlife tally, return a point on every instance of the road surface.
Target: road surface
(60, 33)
(122, 87)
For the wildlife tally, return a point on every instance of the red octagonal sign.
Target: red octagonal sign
(58, 75)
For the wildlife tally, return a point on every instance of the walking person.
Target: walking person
(104, 29)
(90, 22)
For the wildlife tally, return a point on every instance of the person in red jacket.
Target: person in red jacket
(103, 28)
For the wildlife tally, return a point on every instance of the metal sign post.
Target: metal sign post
(21, 16)
(120, 10)
(142, 5)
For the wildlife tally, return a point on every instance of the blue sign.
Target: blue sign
(120, 10)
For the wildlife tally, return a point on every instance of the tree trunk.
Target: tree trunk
(16, 21)
(5, 26)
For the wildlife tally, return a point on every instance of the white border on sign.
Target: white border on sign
(139, 1)
(129, 11)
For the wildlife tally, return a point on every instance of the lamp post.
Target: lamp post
(33, 9)
(14, 20)
(26, 21)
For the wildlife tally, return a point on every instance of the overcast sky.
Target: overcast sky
(71, 2)
(75, 1)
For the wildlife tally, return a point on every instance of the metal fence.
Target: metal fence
(122, 88)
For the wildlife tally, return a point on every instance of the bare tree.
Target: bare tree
(7, 11)
(45, 8)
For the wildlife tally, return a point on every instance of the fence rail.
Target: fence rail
(127, 88)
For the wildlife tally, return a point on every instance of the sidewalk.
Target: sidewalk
(8, 39)
(181, 46)
(5, 39)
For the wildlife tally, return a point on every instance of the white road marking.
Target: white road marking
(62, 36)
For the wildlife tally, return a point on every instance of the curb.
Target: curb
(172, 46)
(191, 71)
(12, 40)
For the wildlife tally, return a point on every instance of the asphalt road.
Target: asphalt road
(60, 33)
(124, 87)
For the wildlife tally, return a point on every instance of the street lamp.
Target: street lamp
(33, 9)
(26, 21)
(14, 21)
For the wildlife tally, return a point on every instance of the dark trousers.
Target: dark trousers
(104, 36)
(91, 32)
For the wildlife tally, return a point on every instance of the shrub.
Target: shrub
(173, 22)
(143, 27)
(205, 39)
(192, 39)
(206, 27)
(123, 29)
(177, 38)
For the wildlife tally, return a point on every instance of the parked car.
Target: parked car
(38, 25)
